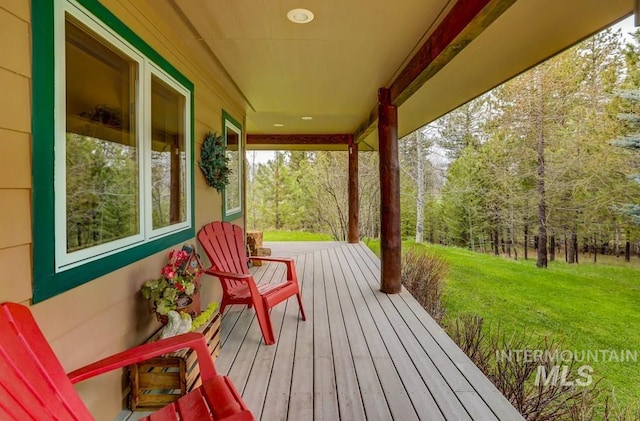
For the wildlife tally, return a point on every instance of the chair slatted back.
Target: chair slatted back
(33, 384)
(224, 244)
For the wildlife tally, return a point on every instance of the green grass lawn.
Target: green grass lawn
(295, 236)
(589, 307)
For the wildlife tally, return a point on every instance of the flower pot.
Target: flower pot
(185, 304)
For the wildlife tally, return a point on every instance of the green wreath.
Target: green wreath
(214, 162)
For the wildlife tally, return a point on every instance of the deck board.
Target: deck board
(361, 354)
(482, 393)
(276, 401)
(325, 399)
(301, 395)
(350, 400)
(370, 388)
(443, 395)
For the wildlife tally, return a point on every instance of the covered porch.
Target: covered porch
(360, 75)
(361, 354)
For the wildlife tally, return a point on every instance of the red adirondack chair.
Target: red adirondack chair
(34, 386)
(224, 244)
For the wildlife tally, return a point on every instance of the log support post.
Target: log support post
(354, 200)
(391, 242)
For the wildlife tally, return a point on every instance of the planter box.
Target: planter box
(162, 380)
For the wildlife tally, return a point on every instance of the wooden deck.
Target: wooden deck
(360, 355)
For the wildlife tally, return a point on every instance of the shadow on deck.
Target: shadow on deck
(360, 355)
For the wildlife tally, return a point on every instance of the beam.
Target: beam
(464, 23)
(354, 200)
(298, 139)
(366, 127)
(390, 240)
(466, 20)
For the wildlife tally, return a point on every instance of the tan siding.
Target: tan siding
(15, 108)
(110, 293)
(20, 8)
(15, 160)
(208, 205)
(207, 117)
(15, 284)
(14, 37)
(15, 218)
(100, 318)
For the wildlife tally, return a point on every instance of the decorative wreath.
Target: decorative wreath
(214, 162)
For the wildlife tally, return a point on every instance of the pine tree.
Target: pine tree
(629, 104)
(631, 141)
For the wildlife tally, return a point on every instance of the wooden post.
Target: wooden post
(391, 242)
(354, 200)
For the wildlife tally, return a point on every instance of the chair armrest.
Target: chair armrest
(229, 275)
(291, 267)
(193, 340)
(272, 259)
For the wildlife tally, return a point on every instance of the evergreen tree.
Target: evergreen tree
(629, 114)
(631, 141)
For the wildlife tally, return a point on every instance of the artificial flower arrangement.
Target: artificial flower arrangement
(178, 286)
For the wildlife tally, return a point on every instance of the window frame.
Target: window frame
(229, 122)
(49, 122)
(158, 72)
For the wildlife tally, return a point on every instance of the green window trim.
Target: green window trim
(46, 282)
(226, 117)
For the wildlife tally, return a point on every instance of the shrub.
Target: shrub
(514, 375)
(423, 275)
(466, 331)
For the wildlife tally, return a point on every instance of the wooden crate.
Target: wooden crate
(162, 380)
(254, 241)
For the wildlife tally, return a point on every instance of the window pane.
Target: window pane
(168, 155)
(232, 191)
(102, 188)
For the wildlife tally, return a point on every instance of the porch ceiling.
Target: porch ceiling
(331, 68)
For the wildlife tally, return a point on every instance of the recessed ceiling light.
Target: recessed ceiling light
(278, 125)
(300, 15)
(307, 118)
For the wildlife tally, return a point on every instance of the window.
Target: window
(232, 200)
(97, 148)
(168, 155)
(121, 151)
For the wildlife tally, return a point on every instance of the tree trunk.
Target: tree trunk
(276, 196)
(496, 249)
(254, 208)
(526, 241)
(354, 194)
(617, 241)
(471, 240)
(542, 203)
(420, 182)
(595, 249)
(552, 248)
(574, 244)
(627, 249)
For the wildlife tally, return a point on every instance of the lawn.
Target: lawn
(589, 307)
(295, 236)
